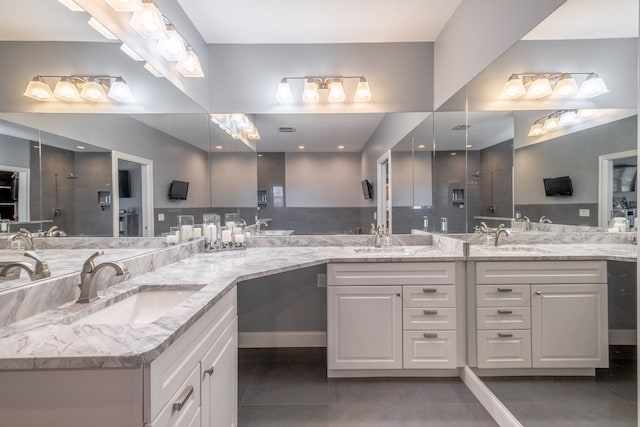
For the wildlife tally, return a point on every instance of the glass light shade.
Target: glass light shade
(536, 130)
(120, 91)
(592, 86)
(152, 70)
(148, 22)
(568, 117)
(253, 133)
(336, 92)
(283, 94)
(93, 91)
(126, 49)
(96, 25)
(66, 90)
(310, 93)
(539, 88)
(586, 113)
(551, 123)
(513, 88)
(565, 87)
(172, 48)
(363, 92)
(125, 5)
(72, 5)
(38, 90)
(190, 67)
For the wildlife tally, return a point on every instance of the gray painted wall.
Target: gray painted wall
(233, 180)
(14, 151)
(93, 172)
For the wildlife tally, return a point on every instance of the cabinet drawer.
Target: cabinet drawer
(503, 295)
(398, 273)
(429, 296)
(429, 319)
(171, 368)
(429, 350)
(504, 318)
(504, 349)
(541, 272)
(183, 406)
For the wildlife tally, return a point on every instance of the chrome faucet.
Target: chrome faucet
(261, 221)
(54, 232)
(499, 231)
(378, 232)
(25, 236)
(544, 220)
(88, 283)
(38, 271)
(482, 228)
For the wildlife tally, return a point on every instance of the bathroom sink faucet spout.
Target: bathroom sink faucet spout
(88, 283)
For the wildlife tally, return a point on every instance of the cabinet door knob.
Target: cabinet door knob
(183, 398)
(209, 371)
(538, 292)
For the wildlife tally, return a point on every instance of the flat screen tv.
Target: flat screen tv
(178, 190)
(558, 186)
(124, 184)
(367, 189)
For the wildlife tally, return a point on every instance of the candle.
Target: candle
(226, 236)
(230, 225)
(239, 238)
(197, 232)
(186, 231)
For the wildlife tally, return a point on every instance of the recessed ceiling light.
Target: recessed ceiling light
(218, 147)
(421, 146)
(81, 147)
(453, 154)
(340, 147)
(469, 145)
(300, 147)
(259, 155)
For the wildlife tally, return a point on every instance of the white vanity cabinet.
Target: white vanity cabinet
(391, 316)
(193, 383)
(541, 314)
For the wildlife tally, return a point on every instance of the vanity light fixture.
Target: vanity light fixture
(237, 126)
(76, 88)
(190, 67)
(125, 5)
(557, 85)
(172, 48)
(72, 5)
(557, 120)
(149, 22)
(313, 85)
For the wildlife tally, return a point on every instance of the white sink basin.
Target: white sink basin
(140, 308)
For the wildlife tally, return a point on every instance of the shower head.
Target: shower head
(71, 176)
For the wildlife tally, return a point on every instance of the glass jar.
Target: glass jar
(211, 229)
(186, 225)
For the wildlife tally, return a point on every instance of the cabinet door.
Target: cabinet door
(364, 327)
(220, 381)
(569, 326)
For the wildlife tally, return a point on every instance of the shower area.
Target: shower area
(70, 183)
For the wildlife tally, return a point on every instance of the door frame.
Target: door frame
(383, 168)
(24, 191)
(605, 183)
(146, 173)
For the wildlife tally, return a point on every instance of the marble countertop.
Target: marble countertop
(555, 252)
(49, 340)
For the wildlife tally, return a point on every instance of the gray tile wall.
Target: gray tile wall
(93, 171)
(621, 279)
(561, 214)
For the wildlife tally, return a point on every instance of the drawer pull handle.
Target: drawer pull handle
(182, 399)
(504, 335)
(429, 290)
(430, 335)
(430, 312)
(538, 292)
(398, 294)
(505, 290)
(209, 371)
(505, 311)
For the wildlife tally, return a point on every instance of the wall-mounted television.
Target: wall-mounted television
(178, 190)
(367, 189)
(558, 186)
(124, 184)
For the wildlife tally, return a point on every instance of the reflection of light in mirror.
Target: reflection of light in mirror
(540, 87)
(152, 70)
(72, 5)
(126, 49)
(96, 25)
(300, 147)
(340, 147)
(593, 86)
(551, 123)
(565, 87)
(218, 147)
(81, 147)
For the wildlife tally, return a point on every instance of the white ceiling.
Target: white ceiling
(327, 21)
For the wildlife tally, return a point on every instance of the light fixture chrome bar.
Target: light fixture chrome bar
(314, 83)
(72, 88)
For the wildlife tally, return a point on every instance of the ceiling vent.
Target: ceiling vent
(286, 129)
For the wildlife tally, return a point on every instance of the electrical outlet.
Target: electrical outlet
(584, 212)
(375, 215)
(322, 280)
(160, 217)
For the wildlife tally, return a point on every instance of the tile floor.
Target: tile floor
(288, 387)
(609, 399)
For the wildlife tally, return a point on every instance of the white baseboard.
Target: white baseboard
(282, 339)
(622, 337)
(489, 401)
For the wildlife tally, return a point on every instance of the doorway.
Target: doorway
(132, 183)
(384, 191)
(617, 187)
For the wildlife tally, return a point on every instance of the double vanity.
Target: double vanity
(160, 348)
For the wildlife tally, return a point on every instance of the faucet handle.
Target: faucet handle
(89, 265)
